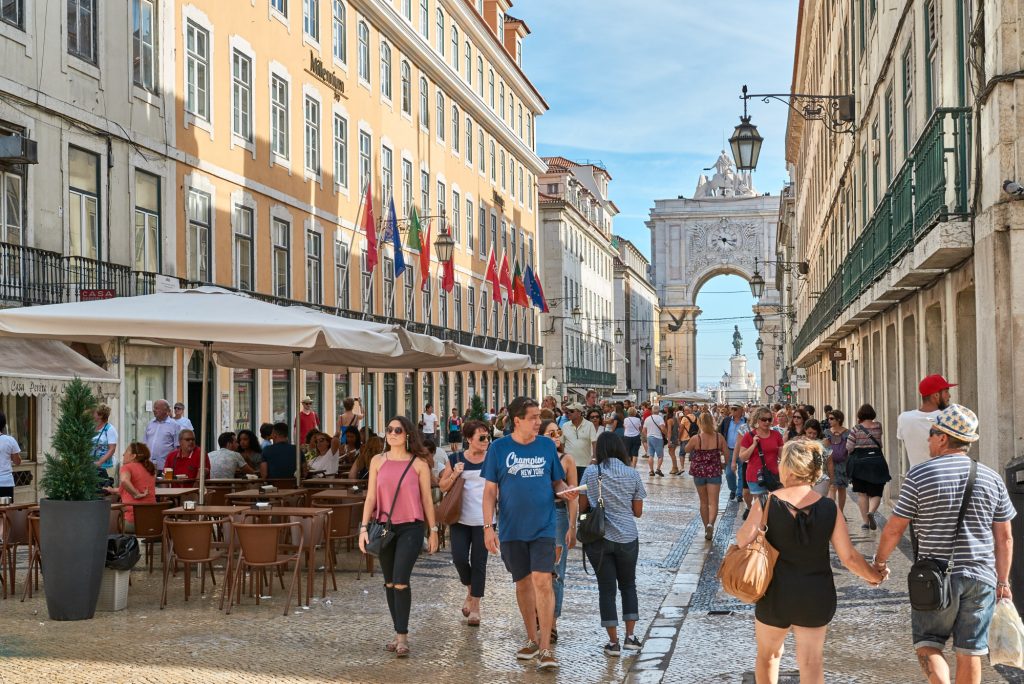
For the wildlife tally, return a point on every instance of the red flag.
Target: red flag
(370, 226)
(540, 291)
(519, 289)
(492, 276)
(504, 276)
(448, 275)
(425, 257)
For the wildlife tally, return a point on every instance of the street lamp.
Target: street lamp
(576, 314)
(745, 141)
(670, 362)
(758, 322)
(756, 283)
(646, 349)
(760, 354)
(445, 245)
(759, 344)
(618, 335)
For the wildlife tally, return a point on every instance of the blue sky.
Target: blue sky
(651, 89)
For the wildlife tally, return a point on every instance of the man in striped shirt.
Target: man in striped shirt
(930, 498)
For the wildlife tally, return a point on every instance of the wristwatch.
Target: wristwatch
(488, 527)
(434, 528)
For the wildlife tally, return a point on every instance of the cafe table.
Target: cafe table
(336, 496)
(176, 493)
(334, 482)
(276, 496)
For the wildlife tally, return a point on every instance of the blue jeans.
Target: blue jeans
(615, 567)
(730, 477)
(655, 447)
(561, 529)
(967, 618)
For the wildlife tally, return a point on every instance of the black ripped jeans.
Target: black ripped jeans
(396, 562)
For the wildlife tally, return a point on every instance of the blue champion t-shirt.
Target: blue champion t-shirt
(524, 473)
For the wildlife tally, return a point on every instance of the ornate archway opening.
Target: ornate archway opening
(725, 359)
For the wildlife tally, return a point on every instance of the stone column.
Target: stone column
(686, 359)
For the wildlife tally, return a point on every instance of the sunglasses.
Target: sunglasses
(395, 430)
(935, 432)
(764, 420)
(483, 438)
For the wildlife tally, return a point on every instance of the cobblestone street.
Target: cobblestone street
(340, 640)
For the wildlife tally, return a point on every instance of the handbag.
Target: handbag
(591, 524)
(765, 477)
(747, 572)
(928, 581)
(378, 534)
(868, 464)
(450, 509)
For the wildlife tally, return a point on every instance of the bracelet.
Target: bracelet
(362, 527)
(1005, 585)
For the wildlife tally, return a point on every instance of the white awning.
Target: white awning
(44, 367)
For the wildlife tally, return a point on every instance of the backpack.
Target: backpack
(693, 428)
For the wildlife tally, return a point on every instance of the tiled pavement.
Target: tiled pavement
(694, 633)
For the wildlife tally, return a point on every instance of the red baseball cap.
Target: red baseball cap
(933, 384)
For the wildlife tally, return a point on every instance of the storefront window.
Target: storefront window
(21, 422)
(245, 399)
(314, 388)
(342, 390)
(281, 396)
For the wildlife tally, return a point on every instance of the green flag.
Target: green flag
(413, 241)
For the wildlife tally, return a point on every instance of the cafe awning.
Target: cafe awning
(44, 367)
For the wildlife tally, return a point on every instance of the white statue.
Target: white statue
(725, 182)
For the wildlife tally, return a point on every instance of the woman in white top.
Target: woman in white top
(10, 455)
(654, 432)
(632, 427)
(104, 442)
(467, 535)
(327, 452)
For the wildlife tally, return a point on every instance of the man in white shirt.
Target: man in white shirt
(912, 426)
(580, 438)
(180, 418)
(225, 462)
(428, 422)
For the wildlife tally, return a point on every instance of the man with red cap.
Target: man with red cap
(912, 426)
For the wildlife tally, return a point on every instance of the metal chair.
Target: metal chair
(15, 533)
(34, 556)
(149, 527)
(191, 543)
(343, 526)
(259, 546)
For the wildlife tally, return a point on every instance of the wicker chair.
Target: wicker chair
(191, 543)
(259, 549)
(149, 527)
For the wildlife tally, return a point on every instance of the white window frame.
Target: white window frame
(239, 238)
(198, 102)
(314, 265)
(365, 158)
(90, 57)
(144, 72)
(199, 266)
(339, 39)
(363, 35)
(312, 117)
(407, 185)
(280, 245)
(405, 71)
(241, 97)
(385, 71)
(280, 117)
(311, 21)
(340, 136)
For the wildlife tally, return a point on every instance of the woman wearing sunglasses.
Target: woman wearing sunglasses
(400, 483)
(468, 551)
(565, 520)
(760, 449)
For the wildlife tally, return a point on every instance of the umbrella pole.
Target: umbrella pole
(204, 421)
(298, 438)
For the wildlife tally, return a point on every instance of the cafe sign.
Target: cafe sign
(325, 76)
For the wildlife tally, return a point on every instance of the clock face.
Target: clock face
(722, 239)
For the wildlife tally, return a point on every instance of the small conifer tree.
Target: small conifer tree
(72, 475)
(476, 408)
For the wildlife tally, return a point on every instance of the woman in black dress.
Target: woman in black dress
(802, 594)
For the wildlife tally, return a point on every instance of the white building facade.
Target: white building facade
(638, 349)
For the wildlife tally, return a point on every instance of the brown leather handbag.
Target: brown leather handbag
(746, 572)
(450, 508)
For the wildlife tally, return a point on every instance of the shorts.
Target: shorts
(701, 481)
(869, 488)
(522, 557)
(967, 619)
(655, 447)
(755, 489)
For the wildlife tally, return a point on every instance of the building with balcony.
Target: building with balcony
(576, 218)
(233, 143)
(904, 221)
(638, 363)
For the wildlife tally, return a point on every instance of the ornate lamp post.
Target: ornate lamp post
(745, 141)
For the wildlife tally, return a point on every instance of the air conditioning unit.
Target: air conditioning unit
(16, 149)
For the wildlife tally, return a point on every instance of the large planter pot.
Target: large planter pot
(73, 542)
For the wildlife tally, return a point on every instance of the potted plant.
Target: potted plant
(476, 408)
(73, 519)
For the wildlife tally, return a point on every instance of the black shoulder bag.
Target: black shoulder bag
(868, 464)
(928, 581)
(590, 528)
(378, 533)
(765, 477)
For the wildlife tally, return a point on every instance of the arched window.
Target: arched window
(480, 149)
(424, 103)
(406, 88)
(520, 119)
(455, 128)
(469, 140)
(385, 69)
(490, 85)
(440, 31)
(503, 176)
(494, 171)
(340, 41)
(455, 47)
(364, 51)
(480, 76)
(469, 63)
(440, 115)
(501, 99)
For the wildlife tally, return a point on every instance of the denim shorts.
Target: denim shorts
(755, 488)
(967, 619)
(655, 447)
(701, 481)
(522, 557)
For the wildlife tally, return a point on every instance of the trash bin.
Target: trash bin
(1014, 474)
(122, 555)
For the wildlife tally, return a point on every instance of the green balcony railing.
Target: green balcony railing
(585, 376)
(940, 156)
(902, 212)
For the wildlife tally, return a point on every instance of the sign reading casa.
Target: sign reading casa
(328, 78)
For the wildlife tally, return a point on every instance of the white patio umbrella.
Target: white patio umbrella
(208, 318)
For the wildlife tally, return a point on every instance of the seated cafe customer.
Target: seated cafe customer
(138, 482)
(185, 459)
(279, 457)
(226, 462)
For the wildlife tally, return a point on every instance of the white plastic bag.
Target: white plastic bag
(1006, 636)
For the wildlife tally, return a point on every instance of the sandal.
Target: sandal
(402, 651)
(554, 635)
(674, 471)
(465, 608)
(391, 647)
(473, 619)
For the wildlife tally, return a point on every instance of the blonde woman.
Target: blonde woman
(802, 594)
(707, 451)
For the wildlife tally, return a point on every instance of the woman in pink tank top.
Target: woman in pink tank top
(399, 492)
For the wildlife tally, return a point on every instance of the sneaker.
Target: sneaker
(529, 651)
(612, 649)
(632, 643)
(548, 661)
(709, 532)
(871, 521)
(746, 513)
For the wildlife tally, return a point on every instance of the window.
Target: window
(442, 306)
(314, 267)
(12, 206)
(312, 133)
(388, 272)
(83, 188)
(279, 234)
(480, 148)
(428, 313)
(340, 150)
(520, 119)
(494, 234)
(147, 222)
(366, 284)
(244, 256)
(529, 130)
(197, 70)
(424, 103)
(521, 187)
(469, 140)
(424, 192)
(387, 179)
(406, 188)
(279, 116)
(908, 99)
(483, 311)
(13, 12)
(407, 9)
(457, 292)
(440, 31)
(875, 152)
(468, 60)
(340, 45)
(241, 96)
(455, 47)
(490, 85)
(406, 88)
(469, 225)
(281, 395)
(364, 52)
(931, 63)
(501, 100)
(456, 217)
(531, 193)
(442, 194)
(503, 174)
(280, 5)
(197, 240)
(365, 153)
(482, 213)
(890, 136)
(410, 297)
(311, 19)
(385, 70)
(143, 41)
(341, 256)
(494, 171)
(81, 29)
(471, 308)
(455, 128)
(425, 19)
(480, 76)
(440, 115)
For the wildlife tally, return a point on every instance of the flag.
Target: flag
(413, 241)
(540, 294)
(370, 226)
(492, 276)
(519, 289)
(448, 275)
(396, 241)
(530, 284)
(505, 277)
(425, 256)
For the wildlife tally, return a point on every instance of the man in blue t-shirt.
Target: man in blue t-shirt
(523, 474)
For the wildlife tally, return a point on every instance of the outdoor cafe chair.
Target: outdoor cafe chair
(14, 529)
(149, 527)
(34, 556)
(191, 543)
(259, 549)
(343, 526)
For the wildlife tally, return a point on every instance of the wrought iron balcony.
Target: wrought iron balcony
(586, 376)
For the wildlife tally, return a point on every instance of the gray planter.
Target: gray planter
(73, 542)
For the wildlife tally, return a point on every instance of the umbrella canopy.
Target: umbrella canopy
(686, 396)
